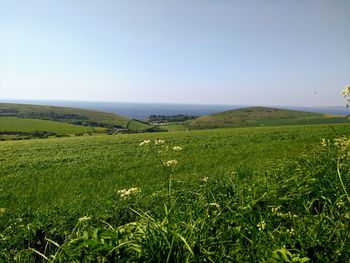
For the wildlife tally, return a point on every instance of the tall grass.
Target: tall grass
(295, 213)
(235, 195)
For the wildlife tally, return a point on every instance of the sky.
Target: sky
(245, 52)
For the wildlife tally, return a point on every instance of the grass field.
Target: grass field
(135, 125)
(29, 125)
(262, 116)
(174, 127)
(245, 194)
(65, 114)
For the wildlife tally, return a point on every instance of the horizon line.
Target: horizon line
(3, 100)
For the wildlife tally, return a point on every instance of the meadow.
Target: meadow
(174, 127)
(29, 125)
(267, 194)
(262, 116)
(135, 125)
(14, 128)
(63, 114)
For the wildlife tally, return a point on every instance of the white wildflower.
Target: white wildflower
(125, 193)
(85, 218)
(290, 215)
(170, 163)
(340, 203)
(159, 141)
(275, 210)
(290, 232)
(346, 91)
(261, 225)
(343, 145)
(2, 211)
(205, 179)
(177, 148)
(346, 94)
(214, 206)
(324, 142)
(145, 142)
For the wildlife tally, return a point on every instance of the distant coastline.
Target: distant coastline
(142, 110)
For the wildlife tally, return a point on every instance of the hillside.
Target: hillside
(12, 128)
(136, 125)
(262, 116)
(65, 114)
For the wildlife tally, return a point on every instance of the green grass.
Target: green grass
(173, 127)
(262, 116)
(47, 185)
(70, 115)
(135, 125)
(15, 124)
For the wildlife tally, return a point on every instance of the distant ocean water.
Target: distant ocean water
(142, 110)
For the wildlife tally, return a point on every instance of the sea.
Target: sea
(141, 111)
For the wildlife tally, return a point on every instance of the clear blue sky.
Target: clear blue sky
(261, 52)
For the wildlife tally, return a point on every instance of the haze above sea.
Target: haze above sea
(143, 110)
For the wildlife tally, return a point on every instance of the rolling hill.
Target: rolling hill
(71, 115)
(14, 128)
(262, 116)
(136, 125)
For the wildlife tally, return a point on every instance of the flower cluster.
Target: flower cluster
(214, 206)
(346, 94)
(84, 219)
(124, 193)
(205, 179)
(261, 225)
(145, 142)
(277, 211)
(343, 145)
(325, 142)
(170, 163)
(346, 91)
(290, 232)
(340, 203)
(156, 142)
(177, 148)
(162, 153)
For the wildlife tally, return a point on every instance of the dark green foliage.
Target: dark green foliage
(33, 134)
(171, 118)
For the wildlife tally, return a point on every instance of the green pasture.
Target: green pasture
(43, 174)
(173, 127)
(262, 116)
(71, 115)
(47, 185)
(15, 124)
(135, 125)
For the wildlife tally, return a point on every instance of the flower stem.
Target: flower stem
(169, 189)
(341, 180)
